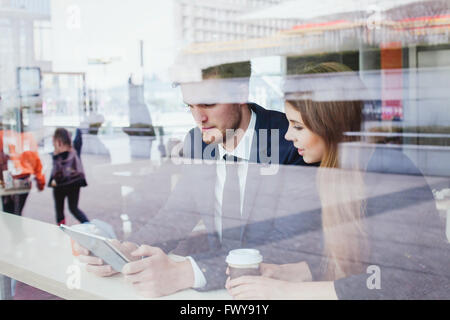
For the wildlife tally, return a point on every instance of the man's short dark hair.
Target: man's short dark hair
(228, 70)
(64, 136)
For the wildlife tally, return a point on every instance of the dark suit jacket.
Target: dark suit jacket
(194, 199)
(265, 148)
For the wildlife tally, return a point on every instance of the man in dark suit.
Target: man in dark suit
(268, 145)
(240, 146)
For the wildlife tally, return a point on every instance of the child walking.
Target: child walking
(67, 177)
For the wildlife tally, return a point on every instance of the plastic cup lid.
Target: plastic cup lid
(244, 256)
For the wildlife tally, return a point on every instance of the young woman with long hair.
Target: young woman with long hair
(351, 242)
(317, 128)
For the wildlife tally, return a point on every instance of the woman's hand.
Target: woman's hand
(259, 288)
(294, 272)
(270, 270)
(262, 288)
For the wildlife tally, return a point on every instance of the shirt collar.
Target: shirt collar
(244, 147)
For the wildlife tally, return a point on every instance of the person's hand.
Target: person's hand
(157, 275)
(40, 185)
(258, 288)
(96, 265)
(266, 270)
(53, 184)
(261, 288)
(270, 270)
(294, 272)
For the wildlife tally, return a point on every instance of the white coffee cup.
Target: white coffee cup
(244, 262)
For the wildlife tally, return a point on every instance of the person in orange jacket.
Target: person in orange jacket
(22, 151)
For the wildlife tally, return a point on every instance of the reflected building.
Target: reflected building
(25, 28)
(25, 52)
(219, 24)
(322, 28)
(218, 21)
(399, 49)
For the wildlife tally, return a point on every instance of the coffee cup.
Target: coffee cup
(244, 262)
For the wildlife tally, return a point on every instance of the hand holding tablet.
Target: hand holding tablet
(99, 246)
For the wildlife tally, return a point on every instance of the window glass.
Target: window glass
(343, 109)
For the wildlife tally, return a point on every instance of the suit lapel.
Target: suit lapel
(262, 124)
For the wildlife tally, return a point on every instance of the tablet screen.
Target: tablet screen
(99, 246)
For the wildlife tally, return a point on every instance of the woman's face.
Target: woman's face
(310, 145)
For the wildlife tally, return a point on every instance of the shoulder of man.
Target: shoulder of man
(269, 119)
(276, 120)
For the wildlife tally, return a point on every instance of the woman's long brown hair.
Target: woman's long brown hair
(341, 191)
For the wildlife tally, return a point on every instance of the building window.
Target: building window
(42, 40)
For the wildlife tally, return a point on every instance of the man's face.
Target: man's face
(215, 119)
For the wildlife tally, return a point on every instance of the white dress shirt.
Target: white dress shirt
(242, 151)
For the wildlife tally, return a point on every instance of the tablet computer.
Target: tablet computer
(99, 246)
